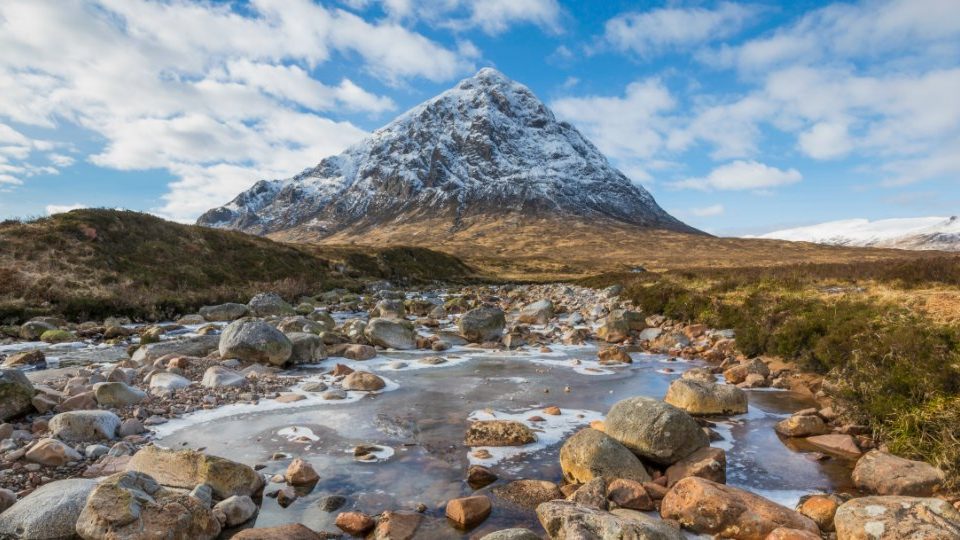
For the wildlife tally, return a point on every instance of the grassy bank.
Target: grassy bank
(884, 334)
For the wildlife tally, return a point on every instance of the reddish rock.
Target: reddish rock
(295, 531)
(707, 462)
(783, 533)
(397, 526)
(355, 523)
(885, 474)
(821, 509)
(843, 445)
(299, 473)
(469, 511)
(629, 494)
(614, 355)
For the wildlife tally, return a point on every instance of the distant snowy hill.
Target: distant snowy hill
(939, 233)
(476, 153)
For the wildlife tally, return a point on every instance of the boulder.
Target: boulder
(821, 509)
(50, 512)
(355, 351)
(217, 376)
(294, 531)
(389, 309)
(738, 373)
(528, 493)
(397, 526)
(133, 506)
(34, 358)
(593, 494)
(224, 312)
(363, 381)
(197, 346)
(52, 453)
(511, 534)
(355, 523)
(307, 348)
(185, 469)
(482, 324)
(57, 336)
(613, 355)
(499, 433)
(16, 394)
(894, 517)
(802, 426)
(704, 399)
(469, 511)
(699, 374)
(539, 312)
(837, 443)
(267, 304)
(84, 426)
(565, 520)
(589, 454)
(300, 473)
(654, 430)
(706, 507)
(255, 341)
(32, 330)
(885, 474)
(390, 334)
(629, 494)
(783, 533)
(236, 510)
(167, 382)
(117, 394)
(707, 462)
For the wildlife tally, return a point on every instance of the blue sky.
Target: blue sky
(739, 117)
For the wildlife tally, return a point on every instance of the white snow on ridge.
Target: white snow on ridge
(937, 233)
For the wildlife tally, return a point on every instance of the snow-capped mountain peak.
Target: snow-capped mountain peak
(936, 233)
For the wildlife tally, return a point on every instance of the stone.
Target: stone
(224, 312)
(130, 426)
(565, 520)
(185, 469)
(198, 346)
(16, 394)
(593, 494)
(34, 358)
(836, 443)
(886, 474)
(479, 476)
(539, 312)
(237, 510)
(613, 355)
(218, 376)
(511, 534)
(7, 499)
(738, 373)
(294, 531)
(821, 509)
(80, 402)
(707, 462)
(654, 430)
(467, 512)
(499, 433)
(52, 453)
(528, 493)
(307, 348)
(117, 394)
(389, 309)
(704, 399)
(32, 330)
(300, 473)
(57, 336)
(589, 454)
(85, 426)
(482, 324)
(390, 334)
(801, 426)
(397, 526)
(255, 341)
(359, 352)
(49, 512)
(706, 507)
(893, 517)
(629, 494)
(649, 334)
(355, 523)
(363, 381)
(167, 382)
(783, 533)
(267, 304)
(204, 493)
(132, 506)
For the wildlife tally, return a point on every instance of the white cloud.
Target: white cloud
(742, 175)
(495, 16)
(826, 140)
(708, 211)
(62, 208)
(61, 160)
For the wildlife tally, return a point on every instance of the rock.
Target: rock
(821, 509)
(589, 454)
(117, 394)
(300, 473)
(204, 493)
(49, 512)
(499, 433)
(167, 382)
(699, 374)
(593, 494)
(649, 334)
(654, 430)
(303, 325)
(355, 523)
(34, 358)
(359, 352)
(390, 334)
(565, 520)
(7, 499)
(629, 494)
(479, 476)
(706, 507)
(801, 426)
(133, 506)
(707, 462)
(224, 312)
(397, 526)
(843, 445)
(267, 304)
(885, 474)
(16, 394)
(84, 426)
(307, 348)
(738, 373)
(703, 398)
(188, 468)
(467, 512)
(894, 517)
(539, 312)
(295, 531)
(528, 493)
(217, 376)
(32, 330)
(255, 341)
(482, 324)
(57, 336)
(389, 309)
(198, 346)
(363, 381)
(783, 533)
(52, 453)
(332, 503)
(237, 509)
(511, 534)
(613, 355)
(80, 402)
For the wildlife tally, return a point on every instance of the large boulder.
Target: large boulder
(482, 324)
(528, 493)
(252, 340)
(267, 304)
(48, 513)
(895, 517)
(390, 334)
(224, 312)
(16, 394)
(363, 381)
(886, 474)
(654, 430)
(133, 506)
(499, 433)
(117, 394)
(198, 346)
(566, 520)
(294, 531)
(706, 507)
(84, 426)
(707, 462)
(307, 348)
(186, 469)
(539, 312)
(701, 398)
(590, 454)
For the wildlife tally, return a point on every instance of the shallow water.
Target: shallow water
(421, 420)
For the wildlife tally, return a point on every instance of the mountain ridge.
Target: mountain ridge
(925, 233)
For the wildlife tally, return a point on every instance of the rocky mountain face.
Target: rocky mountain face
(483, 150)
(928, 233)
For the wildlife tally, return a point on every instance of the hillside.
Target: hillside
(89, 263)
(930, 233)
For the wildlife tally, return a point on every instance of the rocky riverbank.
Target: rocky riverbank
(82, 405)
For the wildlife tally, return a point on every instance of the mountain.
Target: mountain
(486, 151)
(928, 233)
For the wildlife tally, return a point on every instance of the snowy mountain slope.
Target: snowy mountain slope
(483, 149)
(937, 233)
